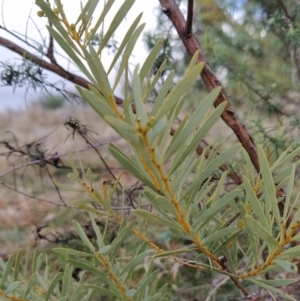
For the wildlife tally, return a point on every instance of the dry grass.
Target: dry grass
(19, 214)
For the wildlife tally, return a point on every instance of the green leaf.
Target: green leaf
(149, 62)
(56, 23)
(198, 136)
(93, 210)
(287, 159)
(83, 236)
(69, 51)
(86, 14)
(106, 292)
(12, 287)
(259, 231)
(141, 288)
(162, 93)
(177, 92)
(210, 168)
(80, 202)
(156, 219)
(286, 265)
(71, 252)
(180, 177)
(42, 282)
(137, 93)
(288, 192)
(296, 215)
(253, 242)
(78, 294)
(291, 252)
(133, 263)
(8, 268)
(154, 298)
(129, 165)
(193, 121)
(105, 10)
(72, 163)
(17, 265)
(124, 42)
(176, 252)
(269, 189)
(228, 240)
(2, 263)
(52, 285)
(97, 231)
(67, 187)
(118, 18)
(219, 234)
(163, 139)
(278, 282)
(271, 289)
(214, 209)
(99, 74)
(87, 267)
(114, 246)
(160, 202)
(67, 280)
(256, 206)
(130, 293)
(127, 53)
(97, 101)
(159, 127)
(30, 285)
(193, 61)
(123, 128)
(248, 167)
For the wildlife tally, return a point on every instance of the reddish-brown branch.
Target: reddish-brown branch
(171, 9)
(189, 19)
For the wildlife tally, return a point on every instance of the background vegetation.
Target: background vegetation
(253, 48)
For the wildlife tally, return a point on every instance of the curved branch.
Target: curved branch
(76, 79)
(171, 9)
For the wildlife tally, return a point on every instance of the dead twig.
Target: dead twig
(33, 197)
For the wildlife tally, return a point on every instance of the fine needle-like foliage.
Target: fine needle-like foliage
(239, 231)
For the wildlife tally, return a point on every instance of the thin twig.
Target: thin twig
(58, 192)
(33, 197)
(189, 19)
(50, 158)
(98, 153)
(216, 287)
